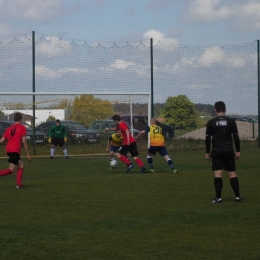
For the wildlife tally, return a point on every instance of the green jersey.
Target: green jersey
(58, 131)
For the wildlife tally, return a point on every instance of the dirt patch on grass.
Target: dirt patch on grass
(246, 131)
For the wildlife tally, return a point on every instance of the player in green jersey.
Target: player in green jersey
(58, 136)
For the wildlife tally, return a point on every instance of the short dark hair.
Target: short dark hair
(57, 121)
(116, 117)
(220, 106)
(17, 117)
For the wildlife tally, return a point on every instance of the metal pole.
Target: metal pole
(149, 118)
(258, 80)
(253, 129)
(151, 54)
(131, 115)
(33, 89)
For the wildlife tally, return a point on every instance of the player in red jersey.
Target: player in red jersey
(15, 135)
(129, 145)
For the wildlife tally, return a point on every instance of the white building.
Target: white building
(41, 114)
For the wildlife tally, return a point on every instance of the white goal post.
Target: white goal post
(91, 110)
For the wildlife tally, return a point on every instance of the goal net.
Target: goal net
(85, 116)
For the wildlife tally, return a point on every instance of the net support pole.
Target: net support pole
(131, 114)
(33, 89)
(151, 54)
(258, 81)
(149, 118)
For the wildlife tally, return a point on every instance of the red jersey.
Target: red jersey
(123, 127)
(14, 134)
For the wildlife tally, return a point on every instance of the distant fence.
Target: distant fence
(38, 63)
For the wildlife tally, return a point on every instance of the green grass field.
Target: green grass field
(79, 209)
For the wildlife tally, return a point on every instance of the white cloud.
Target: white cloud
(243, 15)
(247, 16)
(45, 72)
(216, 56)
(207, 10)
(210, 57)
(49, 73)
(121, 64)
(35, 10)
(52, 47)
(157, 35)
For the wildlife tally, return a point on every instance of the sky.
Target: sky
(185, 22)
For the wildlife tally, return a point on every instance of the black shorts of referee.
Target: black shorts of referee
(223, 158)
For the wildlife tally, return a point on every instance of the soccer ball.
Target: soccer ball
(113, 164)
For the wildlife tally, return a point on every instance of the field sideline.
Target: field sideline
(79, 209)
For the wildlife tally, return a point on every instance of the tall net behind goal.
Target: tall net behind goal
(85, 116)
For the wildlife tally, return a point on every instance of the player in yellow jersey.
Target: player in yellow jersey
(156, 144)
(115, 141)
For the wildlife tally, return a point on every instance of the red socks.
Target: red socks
(124, 159)
(127, 161)
(139, 162)
(19, 176)
(5, 172)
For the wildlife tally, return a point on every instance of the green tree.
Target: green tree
(14, 106)
(157, 108)
(205, 109)
(180, 111)
(64, 103)
(50, 118)
(87, 108)
(200, 121)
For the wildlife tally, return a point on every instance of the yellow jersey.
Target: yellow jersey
(116, 141)
(156, 136)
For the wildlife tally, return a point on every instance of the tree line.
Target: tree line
(178, 111)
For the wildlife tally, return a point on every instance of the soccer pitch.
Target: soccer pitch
(79, 209)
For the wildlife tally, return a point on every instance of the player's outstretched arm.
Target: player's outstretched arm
(142, 132)
(110, 129)
(26, 148)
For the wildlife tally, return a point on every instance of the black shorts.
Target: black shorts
(58, 141)
(14, 158)
(223, 159)
(131, 148)
(160, 149)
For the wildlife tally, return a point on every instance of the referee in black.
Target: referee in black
(219, 131)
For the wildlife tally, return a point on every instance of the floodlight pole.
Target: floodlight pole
(131, 115)
(258, 81)
(151, 55)
(33, 89)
